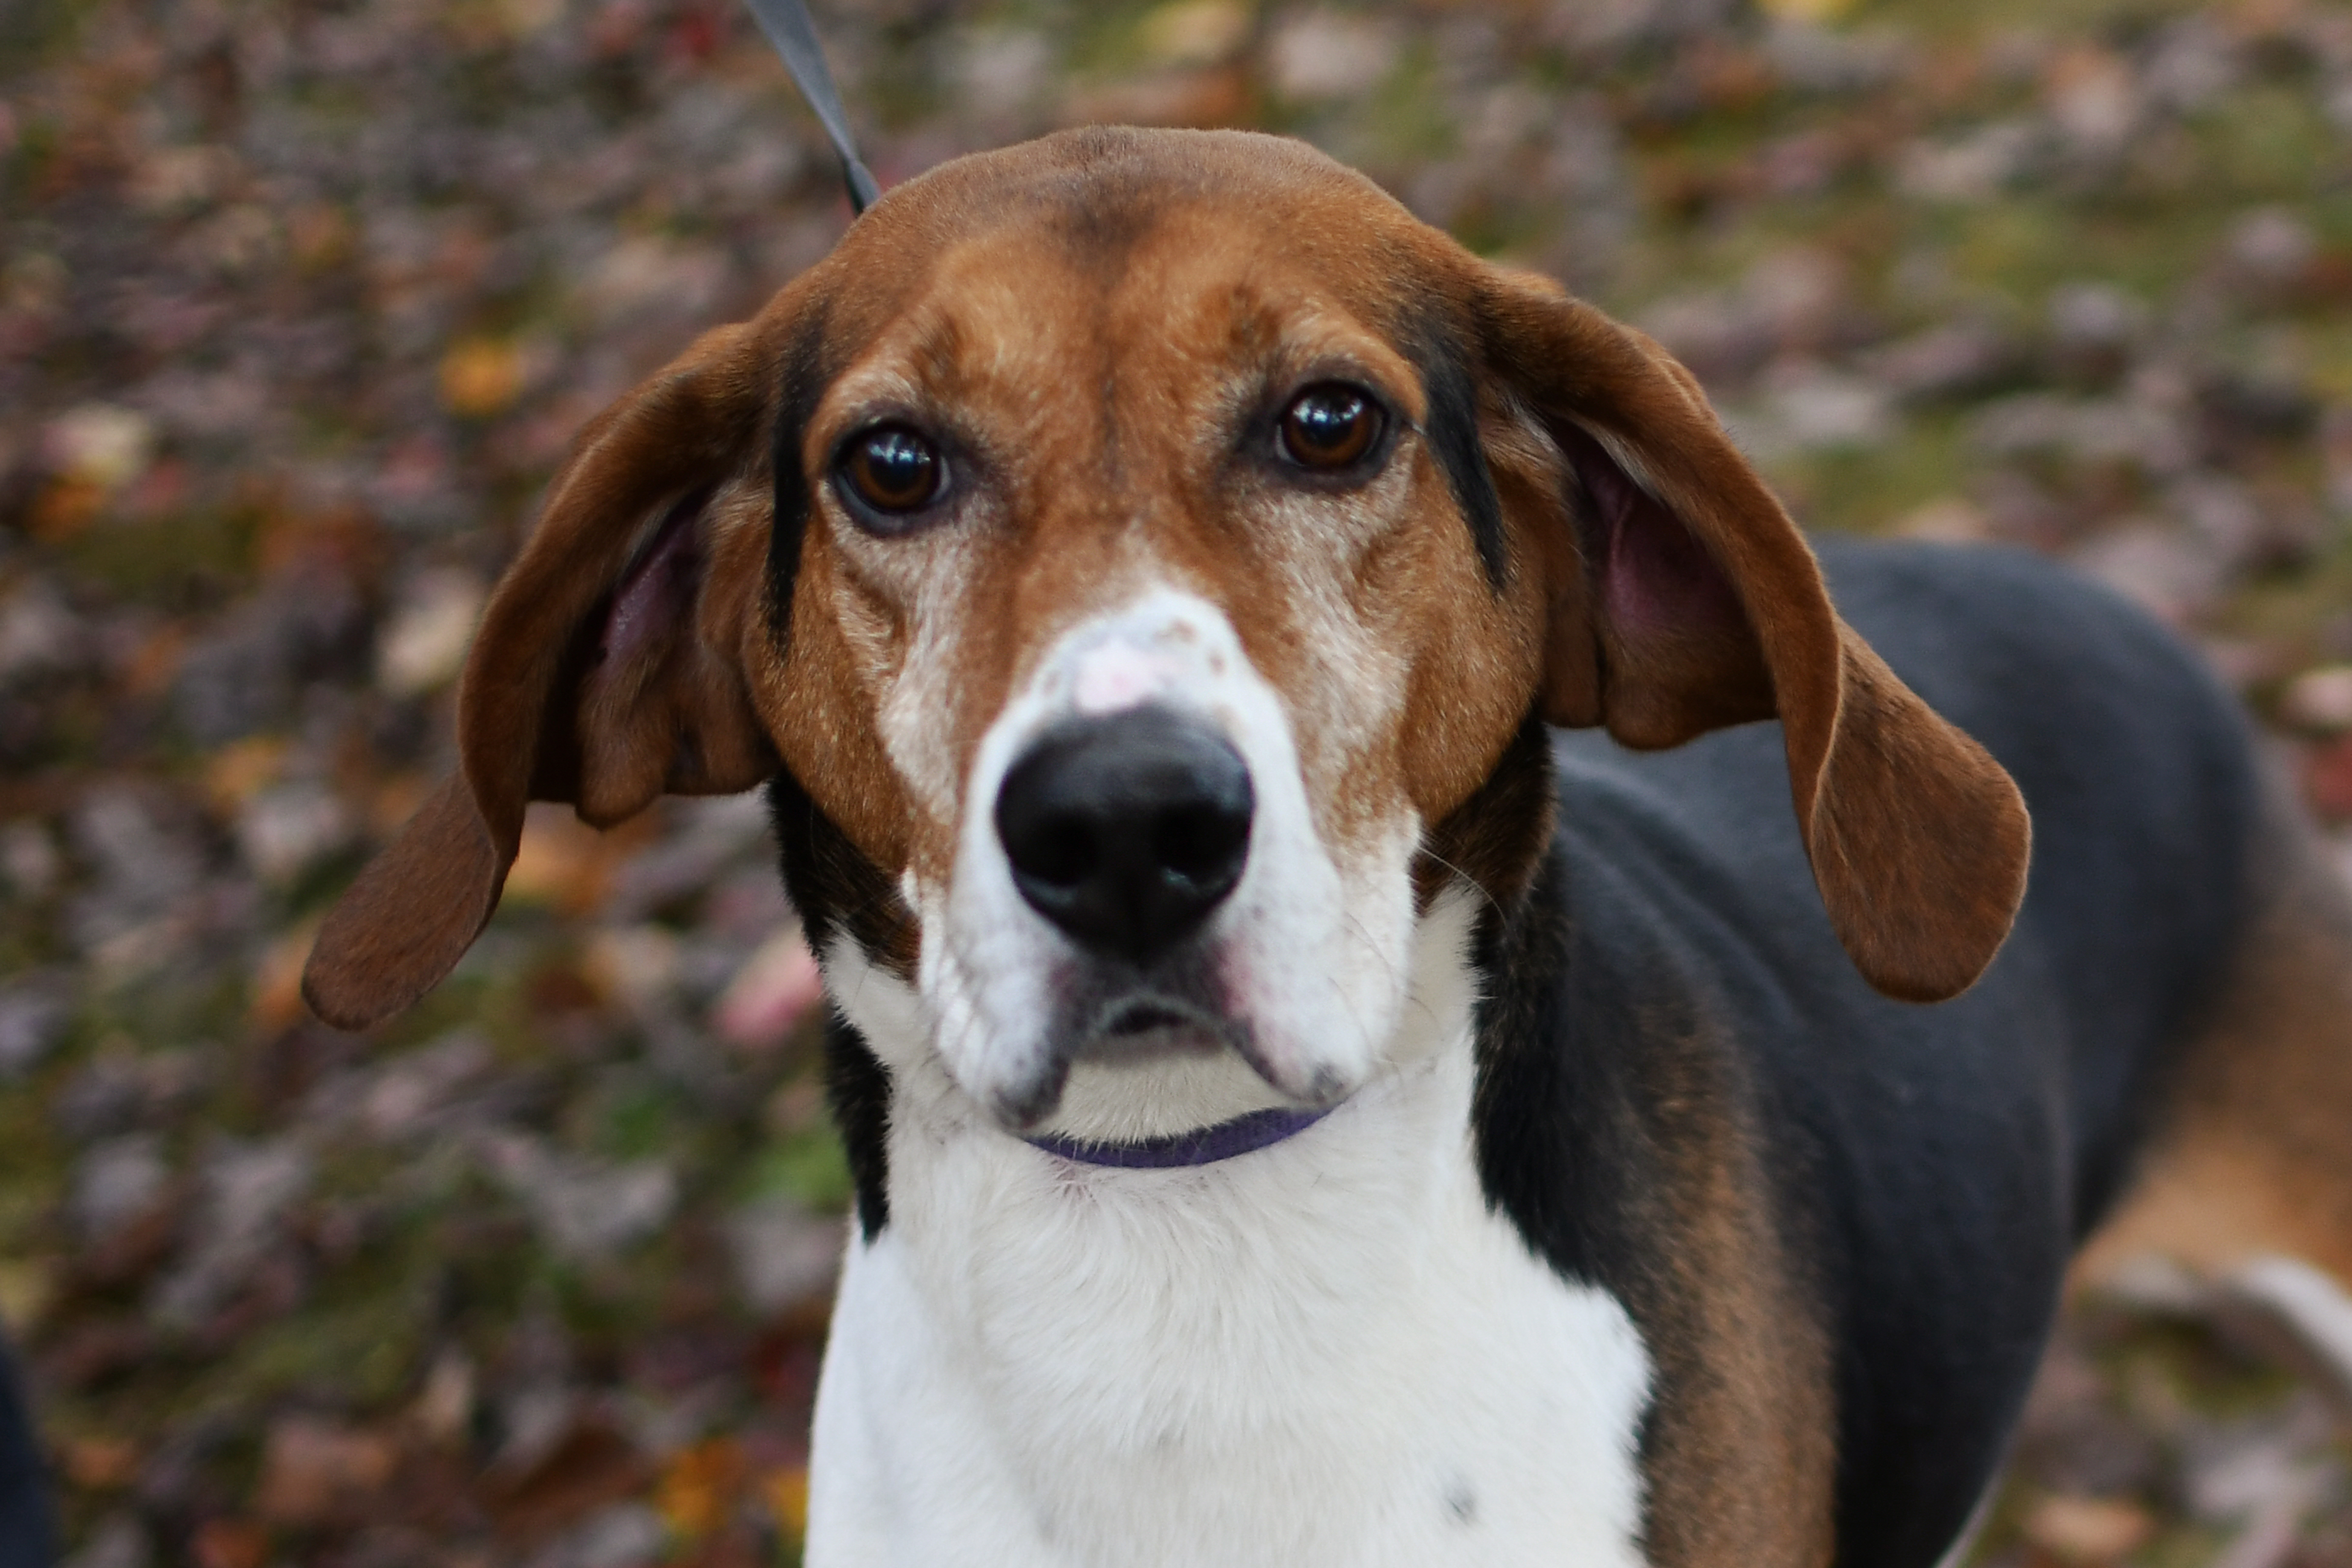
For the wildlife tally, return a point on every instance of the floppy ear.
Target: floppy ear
(609, 667)
(1692, 602)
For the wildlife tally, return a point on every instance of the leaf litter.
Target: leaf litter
(299, 307)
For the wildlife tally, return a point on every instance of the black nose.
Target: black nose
(1126, 831)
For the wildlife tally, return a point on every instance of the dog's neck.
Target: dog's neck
(1143, 1366)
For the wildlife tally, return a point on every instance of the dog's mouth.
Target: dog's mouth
(1149, 1024)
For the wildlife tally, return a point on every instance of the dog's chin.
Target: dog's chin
(1137, 1031)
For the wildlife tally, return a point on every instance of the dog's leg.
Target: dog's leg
(2247, 1184)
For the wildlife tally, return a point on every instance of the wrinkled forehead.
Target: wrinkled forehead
(1084, 247)
(1173, 304)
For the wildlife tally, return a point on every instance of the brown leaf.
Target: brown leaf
(230, 1543)
(98, 1463)
(318, 1472)
(590, 1466)
(481, 376)
(2088, 1528)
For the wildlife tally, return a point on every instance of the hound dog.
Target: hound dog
(1417, 981)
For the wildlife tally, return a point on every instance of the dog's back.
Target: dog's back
(1936, 1166)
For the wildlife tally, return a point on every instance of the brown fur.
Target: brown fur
(1742, 1453)
(2252, 1155)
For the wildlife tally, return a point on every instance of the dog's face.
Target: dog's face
(1128, 528)
(1142, 553)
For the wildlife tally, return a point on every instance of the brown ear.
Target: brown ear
(608, 668)
(1692, 602)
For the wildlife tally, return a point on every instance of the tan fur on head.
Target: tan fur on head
(1101, 321)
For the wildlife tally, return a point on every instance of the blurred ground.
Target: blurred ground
(300, 304)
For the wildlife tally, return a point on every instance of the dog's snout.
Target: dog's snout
(1126, 831)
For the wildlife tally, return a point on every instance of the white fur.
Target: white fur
(1311, 948)
(1328, 1354)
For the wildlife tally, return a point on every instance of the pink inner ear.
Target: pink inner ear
(1656, 578)
(655, 599)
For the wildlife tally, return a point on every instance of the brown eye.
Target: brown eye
(892, 469)
(1329, 427)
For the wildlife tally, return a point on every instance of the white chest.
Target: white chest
(1326, 1352)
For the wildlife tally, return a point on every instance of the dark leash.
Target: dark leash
(787, 25)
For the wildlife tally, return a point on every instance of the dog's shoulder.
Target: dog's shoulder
(1932, 1166)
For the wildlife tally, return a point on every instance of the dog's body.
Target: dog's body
(1146, 564)
(1680, 1199)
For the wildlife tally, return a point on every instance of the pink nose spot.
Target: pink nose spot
(1118, 675)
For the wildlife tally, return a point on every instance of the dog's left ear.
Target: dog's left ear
(1687, 601)
(610, 667)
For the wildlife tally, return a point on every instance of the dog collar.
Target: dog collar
(1202, 1146)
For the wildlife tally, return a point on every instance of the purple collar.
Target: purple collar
(1202, 1146)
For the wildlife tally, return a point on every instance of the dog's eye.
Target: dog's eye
(892, 469)
(1329, 427)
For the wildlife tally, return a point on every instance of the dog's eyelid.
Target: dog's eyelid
(1280, 428)
(900, 443)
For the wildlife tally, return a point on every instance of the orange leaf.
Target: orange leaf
(786, 1493)
(481, 376)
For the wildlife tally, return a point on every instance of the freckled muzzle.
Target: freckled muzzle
(1126, 831)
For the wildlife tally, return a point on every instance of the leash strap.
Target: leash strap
(787, 25)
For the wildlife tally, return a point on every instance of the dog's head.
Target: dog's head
(1139, 553)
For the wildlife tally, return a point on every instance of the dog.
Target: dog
(1416, 979)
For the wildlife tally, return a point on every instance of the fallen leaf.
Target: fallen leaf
(63, 510)
(316, 1472)
(699, 1485)
(774, 989)
(445, 1408)
(1814, 11)
(424, 641)
(99, 443)
(2088, 1528)
(276, 994)
(154, 665)
(1948, 520)
(230, 1543)
(563, 862)
(2327, 778)
(2319, 699)
(480, 377)
(27, 1287)
(588, 1466)
(1194, 32)
(242, 769)
(786, 1493)
(98, 1464)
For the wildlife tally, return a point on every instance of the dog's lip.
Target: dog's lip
(1140, 1014)
(1152, 1023)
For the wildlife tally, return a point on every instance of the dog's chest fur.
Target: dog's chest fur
(1327, 1352)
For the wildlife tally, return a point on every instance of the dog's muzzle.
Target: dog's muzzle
(1126, 831)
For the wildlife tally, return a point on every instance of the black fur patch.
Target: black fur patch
(857, 1087)
(1494, 839)
(1439, 352)
(805, 377)
(838, 890)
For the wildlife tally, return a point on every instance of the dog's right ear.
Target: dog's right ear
(610, 667)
